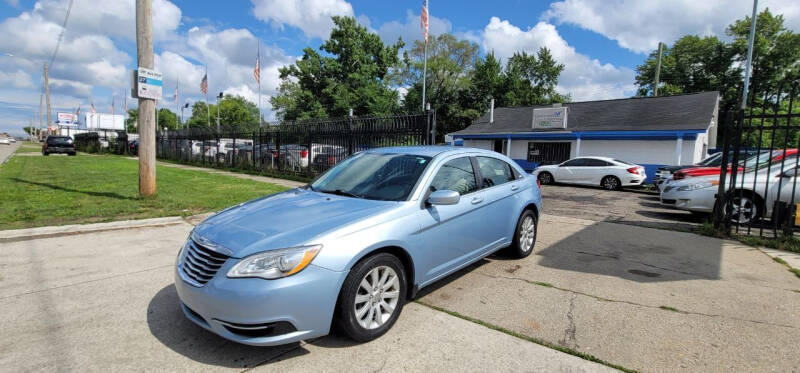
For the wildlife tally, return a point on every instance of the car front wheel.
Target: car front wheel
(372, 297)
(545, 178)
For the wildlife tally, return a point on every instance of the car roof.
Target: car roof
(430, 150)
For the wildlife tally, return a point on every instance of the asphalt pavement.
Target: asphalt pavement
(7, 150)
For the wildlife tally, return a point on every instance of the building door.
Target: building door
(544, 153)
(499, 146)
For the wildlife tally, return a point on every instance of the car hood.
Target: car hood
(292, 218)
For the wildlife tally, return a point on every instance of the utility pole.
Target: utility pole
(41, 111)
(47, 94)
(147, 130)
(749, 64)
(658, 68)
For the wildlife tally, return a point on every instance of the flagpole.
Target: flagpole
(425, 60)
(258, 58)
(177, 95)
(208, 111)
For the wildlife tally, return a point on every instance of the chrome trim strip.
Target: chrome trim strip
(211, 245)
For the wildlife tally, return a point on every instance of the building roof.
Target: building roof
(671, 113)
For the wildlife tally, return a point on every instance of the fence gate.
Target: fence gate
(758, 194)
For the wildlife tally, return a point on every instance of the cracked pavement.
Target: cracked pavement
(645, 299)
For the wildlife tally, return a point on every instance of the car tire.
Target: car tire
(611, 183)
(524, 236)
(752, 207)
(353, 318)
(545, 178)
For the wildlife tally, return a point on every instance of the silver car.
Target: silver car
(350, 248)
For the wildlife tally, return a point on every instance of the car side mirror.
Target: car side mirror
(444, 197)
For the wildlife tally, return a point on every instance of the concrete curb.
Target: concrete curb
(16, 235)
(790, 258)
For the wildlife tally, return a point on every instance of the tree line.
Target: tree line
(354, 69)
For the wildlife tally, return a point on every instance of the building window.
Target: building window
(545, 153)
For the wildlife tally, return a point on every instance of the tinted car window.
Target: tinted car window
(456, 175)
(623, 162)
(389, 177)
(577, 162)
(494, 171)
(59, 140)
(597, 163)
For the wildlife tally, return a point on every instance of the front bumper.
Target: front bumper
(261, 312)
(699, 200)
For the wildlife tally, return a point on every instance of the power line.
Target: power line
(61, 35)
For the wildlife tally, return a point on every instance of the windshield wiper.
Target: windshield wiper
(340, 192)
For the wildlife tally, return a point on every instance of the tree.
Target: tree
(234, 112)
(166, 119)
(532, 80)
(450, 63)
(351, 74)
(695, 64)
(130, 123)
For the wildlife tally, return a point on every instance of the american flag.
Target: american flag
(93, 110)
(78, 112)
(423, 20)
(204, 84)
(257, 70)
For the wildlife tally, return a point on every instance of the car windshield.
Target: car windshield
(59, 140)
(380, 176)
(714, 160)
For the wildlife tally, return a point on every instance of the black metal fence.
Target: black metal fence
(304, 148)
(758, 195)
(103, 141)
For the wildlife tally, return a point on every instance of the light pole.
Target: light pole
(185, 106)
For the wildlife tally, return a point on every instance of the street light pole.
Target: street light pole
(147, 130)
(218, 98)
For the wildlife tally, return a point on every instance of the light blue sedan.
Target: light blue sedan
(350, 248)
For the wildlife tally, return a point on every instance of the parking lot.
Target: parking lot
(637, 206)
(642, 298)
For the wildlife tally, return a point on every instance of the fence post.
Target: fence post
(722, 200)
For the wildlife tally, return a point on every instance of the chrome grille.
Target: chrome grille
(201, 264)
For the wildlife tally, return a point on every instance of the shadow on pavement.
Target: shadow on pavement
(56, 187)
(171, 327)
(634, 254)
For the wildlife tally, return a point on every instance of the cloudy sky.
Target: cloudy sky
(599, 41)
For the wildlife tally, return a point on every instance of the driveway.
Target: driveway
(106, 302)
(628, 206)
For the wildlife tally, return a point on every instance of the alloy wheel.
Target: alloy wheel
(743, 210)
(612, 183)
(527, 234)
(377, 297)
(545, 178)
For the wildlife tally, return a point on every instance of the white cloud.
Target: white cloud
(410, 30)
(583, 77)
(17, 79)
(313, 17)
(640, 25)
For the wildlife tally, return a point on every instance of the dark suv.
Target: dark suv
(58, 144)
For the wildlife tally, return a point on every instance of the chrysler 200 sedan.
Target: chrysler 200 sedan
(349, 249)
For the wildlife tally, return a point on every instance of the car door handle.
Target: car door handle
(514, 187)
(477, 200)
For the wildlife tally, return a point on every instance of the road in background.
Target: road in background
(7, 150)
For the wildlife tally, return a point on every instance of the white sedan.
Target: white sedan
(5, 141)
(609, 173)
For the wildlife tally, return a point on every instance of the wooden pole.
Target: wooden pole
(47, 95)
(147, 125)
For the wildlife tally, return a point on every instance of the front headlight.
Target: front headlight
(276, 263)
(700, 185)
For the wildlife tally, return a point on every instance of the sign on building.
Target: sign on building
(149, 84)
(551, 117)
(67, 119)
(103, 121)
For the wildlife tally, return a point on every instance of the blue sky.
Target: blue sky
(599, 41)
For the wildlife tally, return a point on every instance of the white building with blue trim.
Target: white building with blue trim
(649, 131)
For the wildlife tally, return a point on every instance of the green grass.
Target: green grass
(40, 191)
(27, 147)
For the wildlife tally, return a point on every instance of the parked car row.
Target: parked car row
(762, 179)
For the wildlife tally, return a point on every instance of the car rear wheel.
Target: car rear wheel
(524, 236)
(372, 297)
(545, 178)
(611, 183)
